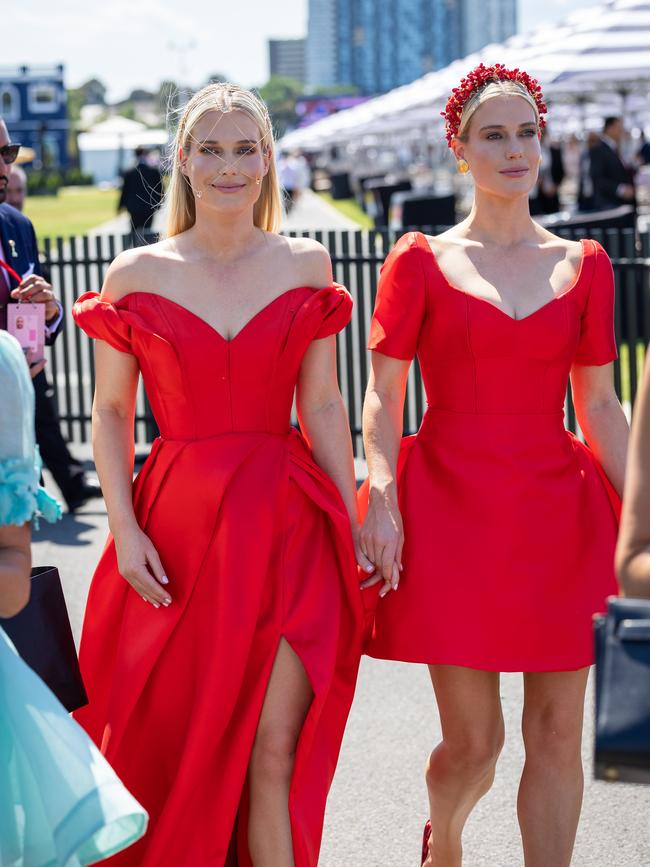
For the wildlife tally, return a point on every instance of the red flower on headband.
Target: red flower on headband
(476, 79)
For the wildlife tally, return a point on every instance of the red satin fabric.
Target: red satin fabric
(509, 522)
(256, 543)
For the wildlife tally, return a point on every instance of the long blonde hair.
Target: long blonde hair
(179, 199)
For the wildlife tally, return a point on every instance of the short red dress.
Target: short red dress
(256, 542)
(510, 523)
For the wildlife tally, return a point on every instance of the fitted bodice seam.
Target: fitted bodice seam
(281, 333)
(427, 287)
(181, 367)
(470, 349)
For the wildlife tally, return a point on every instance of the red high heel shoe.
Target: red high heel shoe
(425, 842)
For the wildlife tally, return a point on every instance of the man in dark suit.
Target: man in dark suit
(141, 192)
(19, 250)
(545, 198)
(613, 182)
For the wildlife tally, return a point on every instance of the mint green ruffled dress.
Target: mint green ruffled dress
(61, 804)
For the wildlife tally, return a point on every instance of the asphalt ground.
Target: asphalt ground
(377, 805)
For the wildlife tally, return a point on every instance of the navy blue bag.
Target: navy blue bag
(42, 635)
(622, 636)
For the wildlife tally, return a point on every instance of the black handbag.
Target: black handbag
(42, 636)
(622, 638)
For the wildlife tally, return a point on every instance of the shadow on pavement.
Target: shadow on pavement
(70, 530)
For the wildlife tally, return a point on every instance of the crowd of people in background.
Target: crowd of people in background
(602, 170)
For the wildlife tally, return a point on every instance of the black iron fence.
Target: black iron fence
(78, 265)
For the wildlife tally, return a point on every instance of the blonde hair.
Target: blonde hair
(503, 87)
(179, 199)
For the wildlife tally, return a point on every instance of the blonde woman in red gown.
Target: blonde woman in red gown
(223, 628)
(497, 525)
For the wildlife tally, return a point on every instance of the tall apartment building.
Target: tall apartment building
(321, 51)
(287, 58)
(486, 21)
(377, 45)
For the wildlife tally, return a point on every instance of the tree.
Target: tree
(126, 109)
(337, 90)
(280, 93)
(141, 95)
(168, 97)
(94, 92)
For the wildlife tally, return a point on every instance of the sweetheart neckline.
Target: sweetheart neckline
(571, 286)
(208, 324)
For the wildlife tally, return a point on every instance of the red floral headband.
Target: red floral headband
(475, 80)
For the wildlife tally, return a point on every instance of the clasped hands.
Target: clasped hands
(381, 539)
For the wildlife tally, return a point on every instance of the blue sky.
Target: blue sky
(137, 43)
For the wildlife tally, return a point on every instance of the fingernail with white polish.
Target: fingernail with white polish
(164, 580)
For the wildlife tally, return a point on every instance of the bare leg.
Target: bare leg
(461, 768)
(550, 793)
(287, 701)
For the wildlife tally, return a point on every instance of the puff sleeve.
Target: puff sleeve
(400, 307)
(335, 307)
(597, 343)
(102, 321)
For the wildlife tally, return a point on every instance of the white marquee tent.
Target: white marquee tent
(596, 62)
(108, 147)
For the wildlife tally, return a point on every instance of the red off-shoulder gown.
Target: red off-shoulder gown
(509, 522)
(256, 543)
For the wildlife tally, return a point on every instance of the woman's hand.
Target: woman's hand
(139, 564)
(362, 561)
(381, 540)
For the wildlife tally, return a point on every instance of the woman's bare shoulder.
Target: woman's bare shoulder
(450, 241)
(573, 250)
(308, 262)
(135, 270)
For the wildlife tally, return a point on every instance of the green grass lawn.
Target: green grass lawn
(350, 209)
(624, 357)
(73, 212)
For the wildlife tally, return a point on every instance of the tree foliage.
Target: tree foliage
(280, 93)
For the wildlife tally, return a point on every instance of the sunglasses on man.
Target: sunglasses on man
(9, 153)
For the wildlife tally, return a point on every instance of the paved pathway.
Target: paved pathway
(377, 804)
(311, 212)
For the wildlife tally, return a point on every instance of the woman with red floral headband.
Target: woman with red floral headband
(497, 525)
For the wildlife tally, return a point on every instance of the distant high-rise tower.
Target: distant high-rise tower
(486, 21)
(377, 45)
(287, 58)
(321, 50)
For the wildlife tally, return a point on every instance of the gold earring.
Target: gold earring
(198, 194)
(258, 181)
(462, 166)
